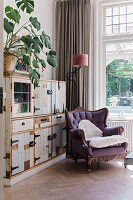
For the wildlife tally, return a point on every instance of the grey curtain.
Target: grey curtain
(72, 37)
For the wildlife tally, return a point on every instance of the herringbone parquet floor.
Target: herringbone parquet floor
(70, 181)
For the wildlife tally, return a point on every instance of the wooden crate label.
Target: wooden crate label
(7, 174)
(50, 155)
(8, 155)
(27, 146)
(14, 147)
(26, 164)
(57, 150)
(44, 85)
(31, 132)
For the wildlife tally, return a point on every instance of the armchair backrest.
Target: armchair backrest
(97, 117)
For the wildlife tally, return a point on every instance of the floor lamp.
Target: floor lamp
(79, 60)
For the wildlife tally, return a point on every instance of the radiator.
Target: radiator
(128, 130)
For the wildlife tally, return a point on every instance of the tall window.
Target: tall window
(118, 53)
(119, 19)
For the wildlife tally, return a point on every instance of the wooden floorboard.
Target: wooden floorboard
(67, 180)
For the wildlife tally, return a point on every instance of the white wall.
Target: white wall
(44, 11)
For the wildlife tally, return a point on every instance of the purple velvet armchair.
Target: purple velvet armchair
(78, 147)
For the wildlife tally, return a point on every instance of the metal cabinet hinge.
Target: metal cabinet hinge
(35, 109)
(13, 168)
(4, 108)
(37, 136)
(37, 159)
(13, 141)
(1, 100)
(51, 137)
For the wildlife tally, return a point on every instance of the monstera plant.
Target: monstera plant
(33, 44)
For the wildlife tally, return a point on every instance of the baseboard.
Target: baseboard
(23, 176)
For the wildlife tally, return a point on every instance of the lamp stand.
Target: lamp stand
(70, 75)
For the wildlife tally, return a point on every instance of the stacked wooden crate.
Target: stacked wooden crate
(35, 123)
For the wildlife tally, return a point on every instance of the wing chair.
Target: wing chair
(78, 147)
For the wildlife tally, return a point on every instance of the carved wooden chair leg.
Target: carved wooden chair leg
(125, 165)
(98, 164)
(89, 164)
(75, 158)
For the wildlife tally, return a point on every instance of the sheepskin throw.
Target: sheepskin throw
(90, 130)
(101, 142)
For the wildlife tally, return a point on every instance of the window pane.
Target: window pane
(116, 11)
(129, 9)
(109, 29)
(122, 28)
(108, 20)
(115, 28)
(130, 18)
(119, 78)
(111, 47)
(130, 27)
(123, 10)
(109, 12)
(115, 19)
(122, 19)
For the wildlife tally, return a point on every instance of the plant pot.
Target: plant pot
(9, 63)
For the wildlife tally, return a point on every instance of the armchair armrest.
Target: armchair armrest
(108, 131)
(79, 142)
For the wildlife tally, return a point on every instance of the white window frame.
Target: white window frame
(100, 40)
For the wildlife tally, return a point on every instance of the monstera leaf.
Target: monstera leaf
(27, 40)
(37, 45)
(12, 14)
(51, 58)
(42, 63)
(34, 76)
(8, 26)
(35, 23)
(35, 63)
(46, 40)
(26, 59)
(25, 4)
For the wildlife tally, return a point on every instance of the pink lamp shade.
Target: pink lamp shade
(80, 60)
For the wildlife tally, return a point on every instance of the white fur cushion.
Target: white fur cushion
(101, 142)
(90, 130)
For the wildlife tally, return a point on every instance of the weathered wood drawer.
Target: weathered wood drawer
(57, 119)
(42, 121)
(22, 125)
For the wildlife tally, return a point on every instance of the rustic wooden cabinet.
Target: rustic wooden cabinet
(35, 123)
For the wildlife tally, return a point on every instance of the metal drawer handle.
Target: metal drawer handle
(59, 117)
(35, 109)
(49, 92)
(32, 144)
(23, 123)
(43, 120)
